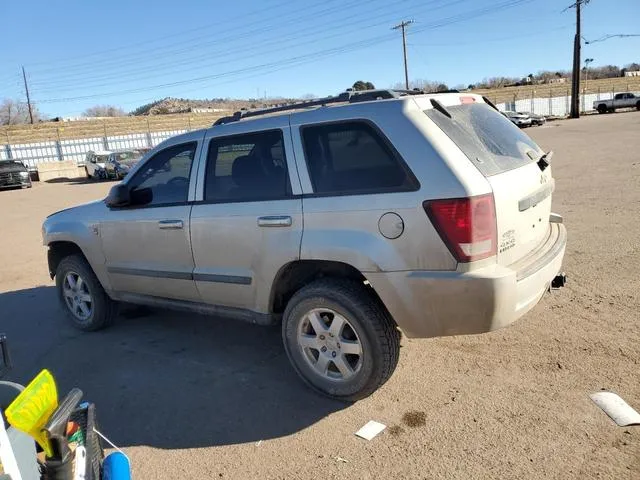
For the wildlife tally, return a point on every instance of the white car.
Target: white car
(519, 119)
(95, 163)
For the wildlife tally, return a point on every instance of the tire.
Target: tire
(638, 106)
(602, 108)
(101, 309)
(368, 327)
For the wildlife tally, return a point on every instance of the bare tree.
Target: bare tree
(104, 111)
(15, 112)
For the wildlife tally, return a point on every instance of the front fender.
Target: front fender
(83, 233)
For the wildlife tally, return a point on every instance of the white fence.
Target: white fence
(555, 106)
(32, 154)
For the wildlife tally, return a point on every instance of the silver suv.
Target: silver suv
(375, 212)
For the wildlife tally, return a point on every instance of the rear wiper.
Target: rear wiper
(439, 107)
(545, 160)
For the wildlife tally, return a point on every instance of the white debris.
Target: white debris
(614, 406)
(370, 430)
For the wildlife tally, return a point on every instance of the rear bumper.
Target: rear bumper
(431, 304)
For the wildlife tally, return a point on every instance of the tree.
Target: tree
(360, 85)
(442, 87)
(104, 111)
(15, 112)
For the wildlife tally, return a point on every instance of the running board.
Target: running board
(249, 316)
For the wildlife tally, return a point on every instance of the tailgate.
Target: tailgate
(507, 158)
(523, 205)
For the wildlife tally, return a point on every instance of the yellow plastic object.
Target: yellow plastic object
(31, 410)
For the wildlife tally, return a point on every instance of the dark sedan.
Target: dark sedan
(14, 174)
(120, 162)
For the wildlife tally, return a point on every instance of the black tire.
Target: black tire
(103, 309)
(377, 332)
(638, 106)
(602, 108)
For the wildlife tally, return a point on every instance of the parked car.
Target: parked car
(343, 223)
(535, 118)
(95, 162)
(120, 162)
(620, 100)
(14, 174)
(519, 119)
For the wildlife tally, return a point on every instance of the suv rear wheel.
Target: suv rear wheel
(339, 339)
(82, 296)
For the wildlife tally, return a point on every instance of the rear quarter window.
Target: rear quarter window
(490, 140)
(352, 158)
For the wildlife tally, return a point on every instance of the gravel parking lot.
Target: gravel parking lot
(195, 397)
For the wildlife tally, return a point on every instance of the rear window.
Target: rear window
(492, 143)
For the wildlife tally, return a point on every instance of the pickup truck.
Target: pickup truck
(620, 100)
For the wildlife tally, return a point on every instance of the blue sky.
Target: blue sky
(80, 53)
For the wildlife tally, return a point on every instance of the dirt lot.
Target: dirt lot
(195, 397)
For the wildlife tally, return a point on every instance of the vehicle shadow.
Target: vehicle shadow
(164, 379)
(71, 181)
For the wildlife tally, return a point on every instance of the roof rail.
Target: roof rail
(345, 97)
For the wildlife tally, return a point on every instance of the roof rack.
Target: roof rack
(346, 97)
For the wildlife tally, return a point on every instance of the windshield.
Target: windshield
(127, 157)
(488, 139)
(12, 165)
(101, 158)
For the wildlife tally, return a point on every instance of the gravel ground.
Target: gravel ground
(188, 397)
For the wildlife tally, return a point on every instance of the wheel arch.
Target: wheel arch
(296, 274)
(60, 249)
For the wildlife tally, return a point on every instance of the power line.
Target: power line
(302, 58)
(142, 72)
(607, 37)
(303, 33)
(164, 37)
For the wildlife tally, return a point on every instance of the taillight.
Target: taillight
(467, 226)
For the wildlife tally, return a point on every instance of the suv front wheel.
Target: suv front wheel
(339, 339)
(82, 296)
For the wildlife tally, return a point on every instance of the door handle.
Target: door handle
(275, 221)
(170, 224)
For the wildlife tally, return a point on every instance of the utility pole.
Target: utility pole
(402, 26)
(26, 88)
(575, 76)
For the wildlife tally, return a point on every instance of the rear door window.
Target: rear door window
(352, 157)
(247, 167)
(490, 140)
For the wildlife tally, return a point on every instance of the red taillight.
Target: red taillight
(466, 225)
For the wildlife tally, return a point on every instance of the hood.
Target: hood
(78, 208)
(11, 166)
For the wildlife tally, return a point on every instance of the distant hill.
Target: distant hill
(184, 105)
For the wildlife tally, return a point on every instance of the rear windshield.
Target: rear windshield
(492, 143)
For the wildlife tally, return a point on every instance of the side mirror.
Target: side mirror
(119, 196)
